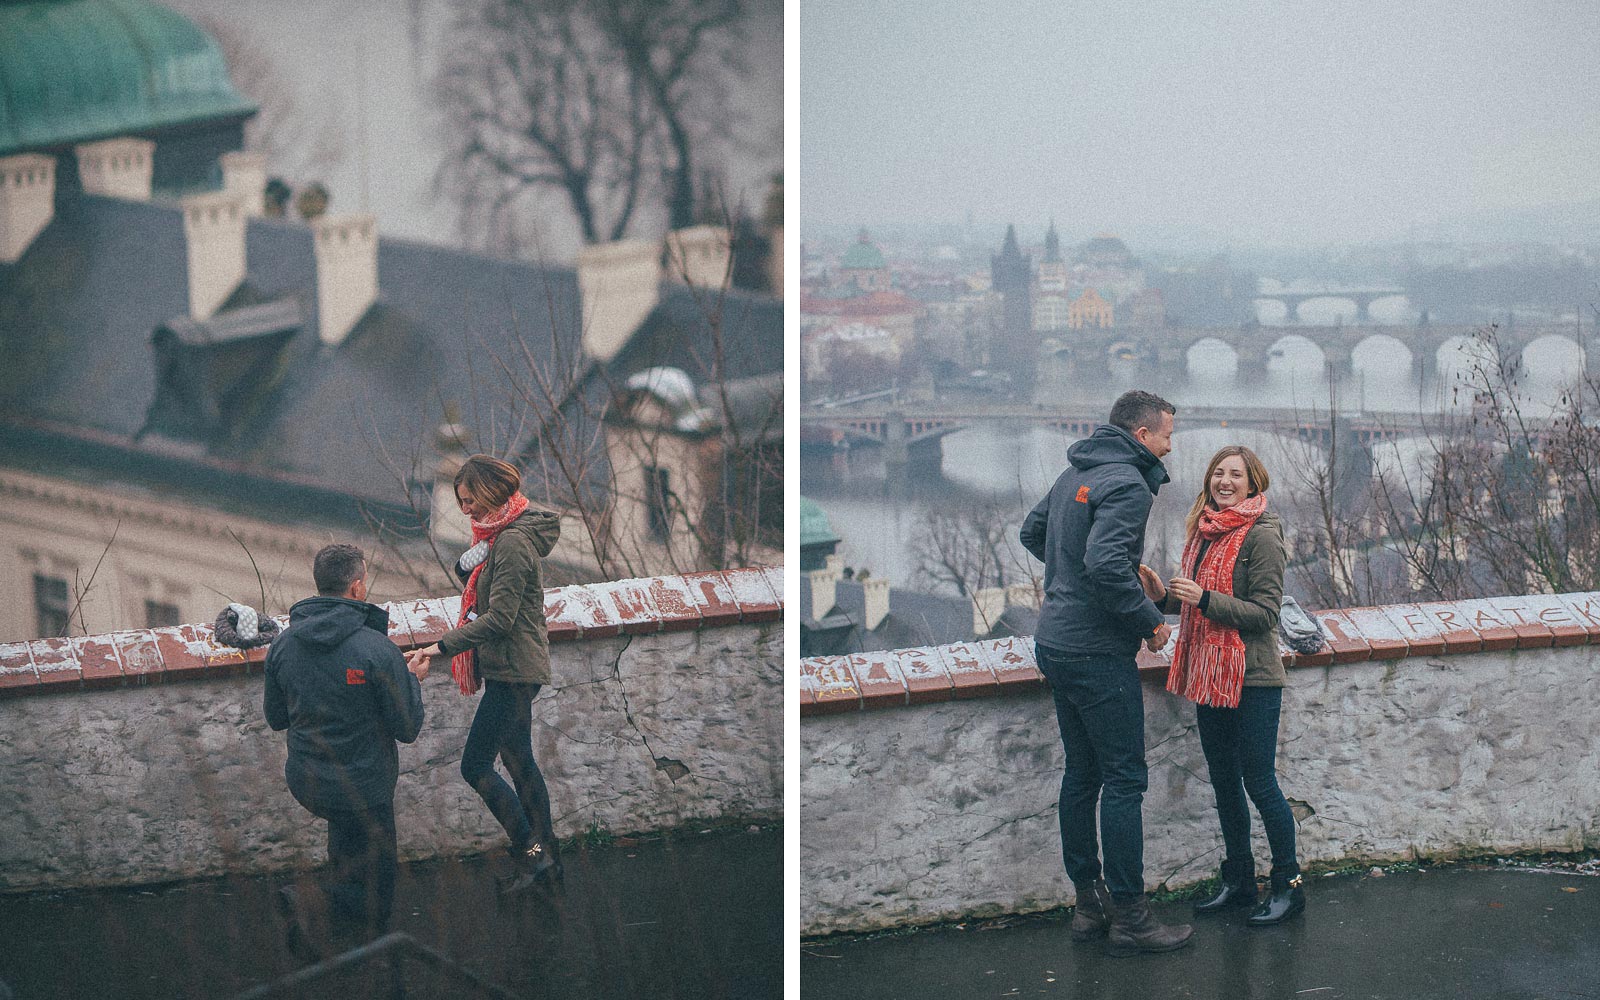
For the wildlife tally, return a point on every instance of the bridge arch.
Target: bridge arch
(1375, 350)
(1211, 350)
(1553, 350)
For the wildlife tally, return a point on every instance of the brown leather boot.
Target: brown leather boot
(1136, 931)
(1091, 914)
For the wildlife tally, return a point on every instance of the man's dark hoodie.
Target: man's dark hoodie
(1089, 533)
(341, 688)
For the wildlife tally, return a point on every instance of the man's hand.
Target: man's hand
(1153, 587)
(418, 661)
(1185, 589)
(1158, 642)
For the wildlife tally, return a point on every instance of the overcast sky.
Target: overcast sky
(360, 75)
(1288, 122)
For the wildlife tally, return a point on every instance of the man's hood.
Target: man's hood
(542, 528)
(1111, 445)
(326, 622)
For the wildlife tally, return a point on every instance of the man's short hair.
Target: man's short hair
(1136, 408)
(336, 568)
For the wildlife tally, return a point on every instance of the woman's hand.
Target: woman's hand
(418, 661)
(1185, 589)
(1153, 587)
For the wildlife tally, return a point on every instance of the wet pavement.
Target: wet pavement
(691, 916)
(1444, 933)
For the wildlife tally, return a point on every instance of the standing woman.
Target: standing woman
(501, 646)
(1226, 661)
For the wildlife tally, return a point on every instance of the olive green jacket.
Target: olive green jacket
(509, 632)
(1253, 607)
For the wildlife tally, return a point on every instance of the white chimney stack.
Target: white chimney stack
(245, 174)
(824, 591)
(347, 272)
(1023, 595)
(27, 201)
(775, 264)
(875, 591)
(988, 604)
(213, 228)
(117, 168)
(700, 255)
(446, 523)
(618, 283)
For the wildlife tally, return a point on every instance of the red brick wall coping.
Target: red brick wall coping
(587, 611)
(1001, 666)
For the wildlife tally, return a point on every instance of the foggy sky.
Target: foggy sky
(364, 71)
(1287, 122)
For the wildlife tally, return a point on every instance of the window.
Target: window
(658, 499)
(158, 614)
(51, 605)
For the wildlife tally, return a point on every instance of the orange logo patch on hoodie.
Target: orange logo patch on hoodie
(353, 676)
(1083, 494)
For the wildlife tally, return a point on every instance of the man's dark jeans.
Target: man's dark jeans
(1241, 748)
(1100, 708)
(361, 851)
(504, 726)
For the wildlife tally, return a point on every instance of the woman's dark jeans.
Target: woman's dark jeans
(1100, 709)
(504, 726)
(1241, 748)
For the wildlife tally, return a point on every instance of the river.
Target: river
(877, 519)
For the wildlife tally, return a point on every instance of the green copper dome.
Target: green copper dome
(863, 255)
(814, 526)
(78, 70)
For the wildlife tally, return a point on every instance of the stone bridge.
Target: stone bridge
(1361, 298)
(1168, 347)
(913, 431)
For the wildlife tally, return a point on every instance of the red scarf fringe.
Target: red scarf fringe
(1208, 660)
(464, 666)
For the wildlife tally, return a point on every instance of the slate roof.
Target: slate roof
(914, 619)
(78, 311)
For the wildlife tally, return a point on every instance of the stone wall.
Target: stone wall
(144, 756)
(929, 776)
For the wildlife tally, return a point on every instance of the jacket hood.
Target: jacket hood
(328, 621)
(542, 528)
(1111, 445)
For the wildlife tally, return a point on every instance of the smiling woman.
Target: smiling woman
(1227, 661)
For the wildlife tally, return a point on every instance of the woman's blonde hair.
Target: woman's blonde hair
(1255, 473)
(489, 482)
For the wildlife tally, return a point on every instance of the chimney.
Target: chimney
(213, 227)
(1022, 595)
(117, 168)
(875, 591)
(446, 523)
(775, 264)
(245, 175)
(824, 591)
(619, 283)
(347, 272)
(988, 604)
(699, 255)
(27, 201)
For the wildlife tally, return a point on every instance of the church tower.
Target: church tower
(1011, 271)
(1052, 269)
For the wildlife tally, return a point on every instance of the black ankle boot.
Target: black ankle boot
(1091, 914)
(1238, 888)
(534, 865)
(1287, 899)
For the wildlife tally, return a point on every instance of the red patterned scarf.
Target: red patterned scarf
(1208, 661)
(464, 666)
